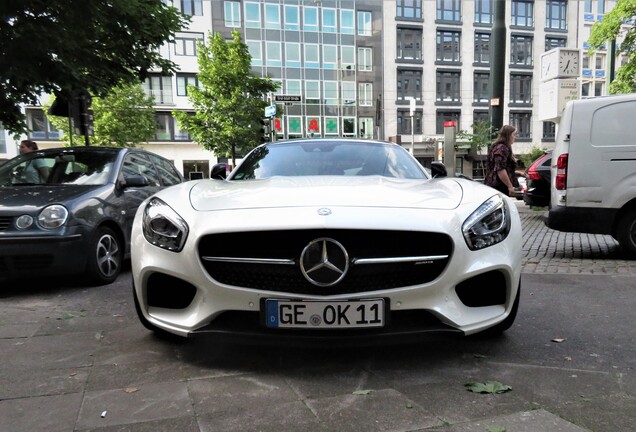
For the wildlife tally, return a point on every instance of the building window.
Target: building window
(522, 121)
(292, 17)
(347, 57)
(192, 7)
(599, 88)
(521, 50)
(443, 116)
(312, 92)
(348, 89)
(365, 127)
(328, 20)
(365, 59)
(273, 52)
(39, 126)
(179, 134)
(347, 25)
(599, 62)
(331, 126)
(554, 42)
(330, 92)
(330, 56)
(349, 126)
(556, 12)
(448, 86)
(295, 126)
(256, 51)
(522, 14)
(404, 122)
(159, 88)
(483, 11)
(448, 47)
(364, 23)
(480, 116)
(409, 44)
(365, 94)
(449, 10)
(549, 131)
(601, 6)
(481, 87)
(310, 19)
(272, 16)
(293, 87)
(164, 124)
(409, 84)
(292, 54)
(521, 89)
(183, 81)
(232, 14)
(482, 48)
(409, 9)
(252, 15)
(312, 58)
(587, 8)
(185, 46)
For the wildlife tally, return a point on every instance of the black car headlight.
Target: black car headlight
(163, 227)
(488, 225)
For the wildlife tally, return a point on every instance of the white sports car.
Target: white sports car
(327, 239)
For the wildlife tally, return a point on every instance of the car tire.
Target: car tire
(626, 232)
(105, 257)
(497, 329)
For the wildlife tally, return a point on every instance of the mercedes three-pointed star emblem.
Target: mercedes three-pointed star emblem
(324, 262)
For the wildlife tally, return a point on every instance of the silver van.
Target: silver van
(593, 171)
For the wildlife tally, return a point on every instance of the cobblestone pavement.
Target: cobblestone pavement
(548, 251)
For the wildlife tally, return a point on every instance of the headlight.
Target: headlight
(488, 225)
(53, 216)
(163, 227)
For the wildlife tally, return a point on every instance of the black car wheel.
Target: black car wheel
(105, 257)
(626, 232)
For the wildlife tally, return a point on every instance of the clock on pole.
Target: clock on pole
(560, 63)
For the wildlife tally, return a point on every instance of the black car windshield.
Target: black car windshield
(56, 168)
(329, 157)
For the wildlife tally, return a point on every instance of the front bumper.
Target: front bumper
(39, 256)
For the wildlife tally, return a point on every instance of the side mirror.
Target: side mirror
(438, 169)
(135, 180)
(218, 172)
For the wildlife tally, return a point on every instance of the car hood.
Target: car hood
(41, 196)
(372, 191)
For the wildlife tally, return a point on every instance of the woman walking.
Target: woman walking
(501, 162)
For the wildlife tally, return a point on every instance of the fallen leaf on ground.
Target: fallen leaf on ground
(491, 387)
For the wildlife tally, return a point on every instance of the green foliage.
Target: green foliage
(124, 118)
(60, 46)
(528, 158)
(492, 387)
(481, 137)
(611, 28)
(229, 102)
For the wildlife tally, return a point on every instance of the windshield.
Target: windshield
(55, 168)
(320, 158)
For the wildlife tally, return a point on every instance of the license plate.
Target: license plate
(324, 314)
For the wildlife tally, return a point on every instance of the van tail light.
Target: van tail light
(562, 172)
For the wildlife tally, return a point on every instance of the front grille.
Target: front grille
(5, 222)
(360, 244)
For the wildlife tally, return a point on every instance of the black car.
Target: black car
(537, 192)
(70, 210)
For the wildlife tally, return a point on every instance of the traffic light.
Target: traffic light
(265, 130)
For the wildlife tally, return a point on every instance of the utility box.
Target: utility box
(450, 140)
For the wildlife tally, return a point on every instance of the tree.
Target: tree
(609, 29)
(483, 131)
(124, 117)
(62, 46)
(229, 103)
